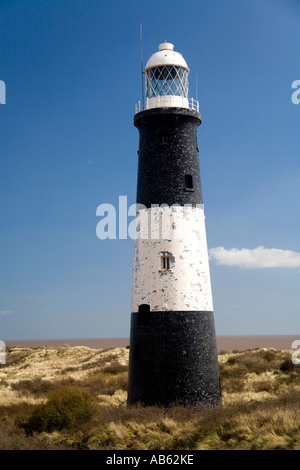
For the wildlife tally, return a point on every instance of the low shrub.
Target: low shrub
(107, 381)
(287, 365)
(115, 368)
(65, 407)
(36, 386)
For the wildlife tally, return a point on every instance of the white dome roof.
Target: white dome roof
(166, 56)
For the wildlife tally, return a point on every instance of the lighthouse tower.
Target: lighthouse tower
(173, 355)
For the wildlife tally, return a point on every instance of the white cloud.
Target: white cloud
(259, 257)
(5, 312)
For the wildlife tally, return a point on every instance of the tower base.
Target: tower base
(173, 359)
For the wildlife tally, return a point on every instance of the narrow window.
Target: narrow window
(144, 314)
(165, 262)
(188, 181)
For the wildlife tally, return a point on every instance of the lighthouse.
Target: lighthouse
(173, 355)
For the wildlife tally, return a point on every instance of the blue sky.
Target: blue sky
(68, 144)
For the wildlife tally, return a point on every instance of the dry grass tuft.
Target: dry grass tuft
(261, 404)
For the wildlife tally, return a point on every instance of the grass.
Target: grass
(75, 398)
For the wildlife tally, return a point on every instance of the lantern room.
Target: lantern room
(166, 80)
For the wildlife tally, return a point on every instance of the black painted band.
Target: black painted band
(168, 168)
(173, 359)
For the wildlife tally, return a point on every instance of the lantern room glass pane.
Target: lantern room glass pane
(166, 80)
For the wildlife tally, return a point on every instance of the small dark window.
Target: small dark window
(144, 308)
(165, 262)
(164, 139)
(188, 181)
(144, 314)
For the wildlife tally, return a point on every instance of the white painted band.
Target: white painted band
(179, 234)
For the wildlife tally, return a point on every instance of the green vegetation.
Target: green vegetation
(67, 406)
(75, 398)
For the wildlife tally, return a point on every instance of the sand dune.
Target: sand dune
(224, 343)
